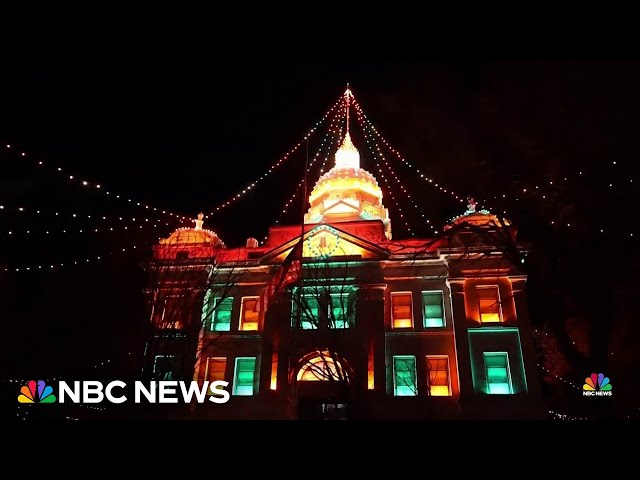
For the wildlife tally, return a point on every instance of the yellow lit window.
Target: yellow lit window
(489, 303)
(216, 368)
(401, 310)
(249, 316)
(438, 371)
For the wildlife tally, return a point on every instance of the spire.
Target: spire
(347, 98)
(347, 155)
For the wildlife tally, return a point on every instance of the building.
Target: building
(335, 319)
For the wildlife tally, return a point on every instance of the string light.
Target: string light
(55, 266)
(378, 154)
(332, 129)
(277, 164)
(140, 223)
(97, 186)
(559, 416)
(421, 175)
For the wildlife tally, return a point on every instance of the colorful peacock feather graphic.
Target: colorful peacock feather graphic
(36, 392)
(597, 382)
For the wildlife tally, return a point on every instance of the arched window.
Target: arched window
(322, 367)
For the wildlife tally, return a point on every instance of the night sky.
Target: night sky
(187, 137)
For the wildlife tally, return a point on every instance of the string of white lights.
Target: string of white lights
(560, 416)
(98, 186)
(55, 266)
(140, 223)
(421, 174)
(277, 164)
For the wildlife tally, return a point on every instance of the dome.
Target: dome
(182, 236)
(347, 192)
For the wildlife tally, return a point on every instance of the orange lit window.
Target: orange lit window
(401, 310)
(438, 371)
(216, 368)
(249, 316)
(489, 302)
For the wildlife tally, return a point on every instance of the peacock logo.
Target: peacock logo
(36, 392)
(597, 385)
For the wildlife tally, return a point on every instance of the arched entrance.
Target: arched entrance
(323, 379)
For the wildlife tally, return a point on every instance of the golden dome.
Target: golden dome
(194, 235)
(347, 192)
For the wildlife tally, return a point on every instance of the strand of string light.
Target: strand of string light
(368, 139)
(405, 192)
(424, 177)
(54, 379)
(310, 166)
(277, 164)
(80, 261)
(560, 416)
(98, 186)
(139, 222)
(332, 130)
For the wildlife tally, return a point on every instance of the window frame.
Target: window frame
(415, 374)
(346, 320)
(164, 355)
(206, 368)
(440, 357)
(217, 300)
(424, 309)
(507, 366)
(235, 376)
(498, 301)
(241, 322)
(397, 294)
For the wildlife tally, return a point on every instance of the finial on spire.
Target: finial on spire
(348, 96)
(199, 222)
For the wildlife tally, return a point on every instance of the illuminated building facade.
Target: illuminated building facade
(334, 319)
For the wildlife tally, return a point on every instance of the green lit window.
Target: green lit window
(498, 376)
(222, 314)
(433, 309)
(404, 376)
(309, 309)
(342, 309)
(243, 378)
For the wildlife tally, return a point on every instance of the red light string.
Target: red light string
(277, 164)
(421, 175)
(386, 182)
(377, 153)
(330, 132)
(99, 187)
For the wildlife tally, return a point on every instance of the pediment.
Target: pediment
(328, 242)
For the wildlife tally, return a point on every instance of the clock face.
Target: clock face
(324, 244)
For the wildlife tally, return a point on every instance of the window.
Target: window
(438, 372)
(489, 301)
(216, 368)
(172, 308)
(309, 309)
(248, 314)
(498, 375)
(401, 310)
(433, 309)
(164, 367)
(320, 307)
(342, 309)
(322, 367)
(243, 378)
(404, 376)
(222, 314)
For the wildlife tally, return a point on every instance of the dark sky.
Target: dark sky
(186, 137)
